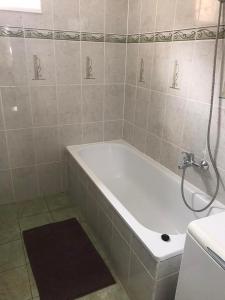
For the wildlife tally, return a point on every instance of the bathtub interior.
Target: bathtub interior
(149, 191)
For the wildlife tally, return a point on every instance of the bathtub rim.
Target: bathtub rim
(159, 249)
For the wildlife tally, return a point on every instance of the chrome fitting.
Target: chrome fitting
(189, 161)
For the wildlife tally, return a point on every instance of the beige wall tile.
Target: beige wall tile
(165, 14)
(187, 14)
(92, 15)
(4, 162)
(141, 107)
(114, 101)
(6, 195)
(134, 16)
(113, 130)
(69, 104)
(66, 15)
(93, 96)
(130, 99)
(148, 12)
(50, 178)
(21, 147)
(93, 132)
(68, 62)
(44, 105)
(16, 106)
(156, 113)
(153, 146)
(25, 183)
(13, 63)
(208, 14)
(115, 63)
(132, 64)
(46, 140)
(116, 16)
(169, 156)
(174, 119)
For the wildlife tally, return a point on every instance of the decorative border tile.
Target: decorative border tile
(92, 37)
(204, 33)
(165, 36)
(209, 33)
(133, 38)
(116, 38)
(147, 38)
(38, 33)
(222, 32)
(184, 35)
(11, 31)
(67, 35)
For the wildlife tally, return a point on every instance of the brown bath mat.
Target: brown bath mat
(64, 262)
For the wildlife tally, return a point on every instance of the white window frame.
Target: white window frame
(15, 8)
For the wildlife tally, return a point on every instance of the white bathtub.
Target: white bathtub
(144, 193)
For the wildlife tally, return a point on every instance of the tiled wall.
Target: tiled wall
(39, 117)
(168, 83)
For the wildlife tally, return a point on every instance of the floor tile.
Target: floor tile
(35, 221)
(16, 278)
(9, 233)
(30, 208)
(58, 201)
(8, 214)
(33, 285)
(11, 256)
(64, 214)
(14, 285)
(114, 292)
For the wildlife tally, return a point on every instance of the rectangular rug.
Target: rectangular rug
(64, 262)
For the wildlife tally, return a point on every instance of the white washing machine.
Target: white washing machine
(202, 273)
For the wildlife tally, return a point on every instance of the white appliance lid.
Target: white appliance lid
(209, 232)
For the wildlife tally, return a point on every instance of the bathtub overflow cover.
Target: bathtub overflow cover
(165, 237)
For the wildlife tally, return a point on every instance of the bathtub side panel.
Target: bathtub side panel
(141, 275)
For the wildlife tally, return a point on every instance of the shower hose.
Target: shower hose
(209, 129)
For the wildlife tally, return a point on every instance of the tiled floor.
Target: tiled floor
(16, 279)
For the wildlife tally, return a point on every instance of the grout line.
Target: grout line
(26, 264)
(15, 268)
(7, 147)
(31, 112)
(11, 241)
(81, 76)
(104, 75)
(56, 125)
(175, 15)
(125, 66)
(142, 264)
(155, 21)
(59, 154)
(149, 132)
